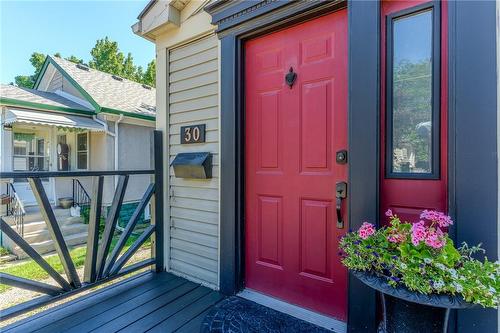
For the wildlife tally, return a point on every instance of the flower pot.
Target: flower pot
(65, 202)
(411, 312)
(4, 199)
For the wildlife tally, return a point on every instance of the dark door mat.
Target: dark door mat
(238, 315)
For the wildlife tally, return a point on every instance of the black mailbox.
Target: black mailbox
(193, 165)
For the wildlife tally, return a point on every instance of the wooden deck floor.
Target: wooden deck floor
(150, 302)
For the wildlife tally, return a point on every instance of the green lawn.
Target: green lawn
(31, 270)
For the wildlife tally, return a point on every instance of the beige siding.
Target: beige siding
(194, 204)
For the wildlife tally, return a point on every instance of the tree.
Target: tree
(107, 57)
(128, 69)
(149, 76)
(74, 59)
(37, 60)
(139, 75)
(27, 81)
(24, 81)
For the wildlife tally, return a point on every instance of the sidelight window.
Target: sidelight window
(412, 143)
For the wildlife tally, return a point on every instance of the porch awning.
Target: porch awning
(52, 119)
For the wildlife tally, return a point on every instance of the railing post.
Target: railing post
(157, 216)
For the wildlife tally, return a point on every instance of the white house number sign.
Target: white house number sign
(193, 134)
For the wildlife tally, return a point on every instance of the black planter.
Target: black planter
(405, 311)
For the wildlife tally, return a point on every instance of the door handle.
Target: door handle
(340, 193)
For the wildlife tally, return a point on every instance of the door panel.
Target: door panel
(292, 135)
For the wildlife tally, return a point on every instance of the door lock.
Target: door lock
(340, 193)
(341, 157)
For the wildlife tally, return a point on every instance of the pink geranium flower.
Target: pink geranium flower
(366, 230)
(388, 213)
(435, 238)
(440, 218)
(418, 233)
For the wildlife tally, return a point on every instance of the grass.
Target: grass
(31, 270)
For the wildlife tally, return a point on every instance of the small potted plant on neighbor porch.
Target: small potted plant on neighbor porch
(419, 273)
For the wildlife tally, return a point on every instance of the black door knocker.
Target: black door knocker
(290, 77)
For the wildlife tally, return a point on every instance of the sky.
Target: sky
(70, 27)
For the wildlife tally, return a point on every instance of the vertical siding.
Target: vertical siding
(56, 82)
(194, 205)
(59, 82)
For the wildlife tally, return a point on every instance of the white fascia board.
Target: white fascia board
(129, 120)
(74, 99)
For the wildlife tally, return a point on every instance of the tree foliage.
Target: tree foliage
(149, 76)
(27, 81)
(74, 59)
(105, 56)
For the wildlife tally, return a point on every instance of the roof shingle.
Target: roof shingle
(121, 95)
(40, 97)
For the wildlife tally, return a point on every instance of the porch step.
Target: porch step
(40, 224)
(43, 235)
(48, 245)
(37, 234)
(33, 214)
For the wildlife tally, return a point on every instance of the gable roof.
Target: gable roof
(24, 97)
(105, 92)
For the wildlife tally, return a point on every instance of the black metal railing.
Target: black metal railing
(15, 208)
(101, 263)
(80, 195)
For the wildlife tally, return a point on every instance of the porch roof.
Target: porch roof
(52, 119)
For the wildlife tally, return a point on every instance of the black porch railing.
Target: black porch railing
(80, 195)
(101, 264)
(15, 208)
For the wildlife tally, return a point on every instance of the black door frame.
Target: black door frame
(472, 81)
(240, 21)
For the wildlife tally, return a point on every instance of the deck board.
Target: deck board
(157, 302)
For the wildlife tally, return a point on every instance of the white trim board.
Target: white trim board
(295, 311)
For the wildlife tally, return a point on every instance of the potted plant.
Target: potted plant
(419, 272)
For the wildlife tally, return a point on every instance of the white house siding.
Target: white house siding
(58, 82)
(194, 204)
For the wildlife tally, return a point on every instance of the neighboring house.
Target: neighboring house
(76, 119)
(396, 100)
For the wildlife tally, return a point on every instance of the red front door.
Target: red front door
(292, 136)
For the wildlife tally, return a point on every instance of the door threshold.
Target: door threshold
(295, 311)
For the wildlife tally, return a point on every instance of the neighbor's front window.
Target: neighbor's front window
(82, 150)
(30, 153)
(413, 95)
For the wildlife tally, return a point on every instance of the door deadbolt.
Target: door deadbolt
(341, 157)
